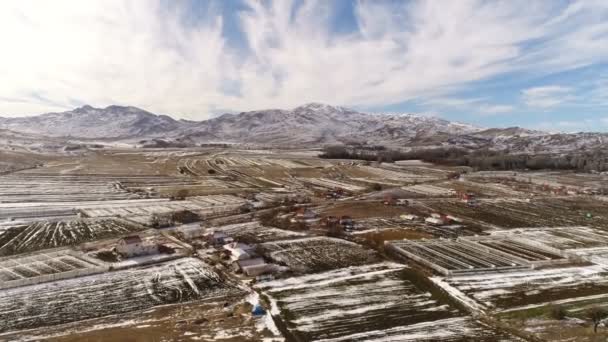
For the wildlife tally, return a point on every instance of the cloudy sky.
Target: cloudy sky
(539, 64)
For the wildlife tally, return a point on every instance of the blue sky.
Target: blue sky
(537, 64)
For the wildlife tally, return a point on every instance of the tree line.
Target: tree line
(481, 159)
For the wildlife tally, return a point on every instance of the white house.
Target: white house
(132, 246)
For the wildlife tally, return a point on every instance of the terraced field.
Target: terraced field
(501, 291)
(379, 302)
(111, 293)
(42, 235)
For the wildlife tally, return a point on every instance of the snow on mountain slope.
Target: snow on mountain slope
(316, 123)
(312, 124)
(89, 122)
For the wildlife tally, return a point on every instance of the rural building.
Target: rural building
(132, 246)
(254, 267)
(409, 217)
(191, 231)
(305, 214)
(240, 251)
(216, 238)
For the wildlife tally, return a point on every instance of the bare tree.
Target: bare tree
(596, 315)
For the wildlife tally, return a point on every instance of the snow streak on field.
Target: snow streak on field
(317, 254)
(42, 235)
(110, 293)
(199, 204)
(367, 303)
(506, 290)
(561, 238)
(254, 232)
(53, 188)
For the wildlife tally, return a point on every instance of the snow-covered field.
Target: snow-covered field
(45, 234)
(316, 254)
(501, 291)
(378, 302)
(560, 238)
(55, 188)
(199, 204)
(111, 293)
(41, 267)
(332, 184)
(254, 232)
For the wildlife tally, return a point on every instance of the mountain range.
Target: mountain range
(313, 124)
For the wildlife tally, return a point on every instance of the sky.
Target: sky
(537, 64)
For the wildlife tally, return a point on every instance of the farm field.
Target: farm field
(378, 302)
(202, 204)
(503, 291)
(254, 232)
(56, 188)
(51, 234)
(315, 254)
(96, 247)
(515, 213)
(112, 293)
(42, 267)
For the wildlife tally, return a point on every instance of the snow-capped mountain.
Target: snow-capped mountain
(316, 123)
(312, 124)
(89, 122)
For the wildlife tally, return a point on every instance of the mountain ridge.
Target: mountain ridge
(312, 124)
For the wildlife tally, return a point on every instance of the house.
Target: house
(403, 202)
(330, 221)
(240, 251)
(346, 222)
(216, 238)
(434, 220)
(390, 200)
(409, 217)
(254, 267)
(132, 246)
(191, 231)
(305, 214)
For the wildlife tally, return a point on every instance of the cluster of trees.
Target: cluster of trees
(482, 159)
(380, 154)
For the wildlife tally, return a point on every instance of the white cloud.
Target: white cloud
(102, 52)
(479, 106)
(547, 96)
(495, 109)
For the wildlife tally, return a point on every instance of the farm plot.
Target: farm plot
(456, 256)
(428, 190)
(514, 213)
(452, 257)
(332, 184)
(379, 302)
(201, 204)
(559, 238)
(17, 188)
(254, 232)
(530, 251)
(112, 293)
(316, 254)
(502, 291)
(47, 234)
(402, 176)
(44, 267)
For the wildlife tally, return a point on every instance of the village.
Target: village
(247, 244)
